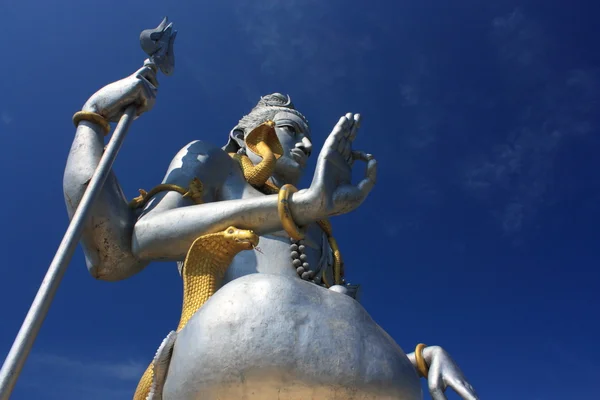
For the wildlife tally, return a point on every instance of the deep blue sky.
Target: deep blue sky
(480, 236)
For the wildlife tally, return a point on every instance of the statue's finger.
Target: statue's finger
(342, 144)
(436, 387)
(361, 155)
(350, 118)
(347, 153)
(463, 389)
(149, 88)
(148, 73)
(142, 70)
(372, 170)
(354, 130)
(151, 77)
(338, 130)
(437, 395)
(366, 185)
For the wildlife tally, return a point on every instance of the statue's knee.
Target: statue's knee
(349, 290)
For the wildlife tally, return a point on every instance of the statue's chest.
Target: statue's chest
(278, 254)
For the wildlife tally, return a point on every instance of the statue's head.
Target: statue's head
(292, 130)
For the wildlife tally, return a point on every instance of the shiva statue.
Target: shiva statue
(267, 313)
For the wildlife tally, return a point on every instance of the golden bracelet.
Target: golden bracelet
(422, 366)
(92, 117)
(285, 215)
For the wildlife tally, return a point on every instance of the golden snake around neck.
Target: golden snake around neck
(203, 270)
(262, 141)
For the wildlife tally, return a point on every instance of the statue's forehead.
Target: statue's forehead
(284, 117)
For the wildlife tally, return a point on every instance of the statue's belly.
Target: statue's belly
(275, 337)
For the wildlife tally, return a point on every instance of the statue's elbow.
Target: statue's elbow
(114, 270)
(108, 251)
(141, 243)
(102, 273)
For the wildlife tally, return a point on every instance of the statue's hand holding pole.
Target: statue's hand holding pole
(120, 101)
(138, 90)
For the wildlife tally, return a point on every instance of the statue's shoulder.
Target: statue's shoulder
(203, 160)
(202, 151)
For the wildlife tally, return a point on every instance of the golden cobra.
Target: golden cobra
(263, 141)
(205, 264)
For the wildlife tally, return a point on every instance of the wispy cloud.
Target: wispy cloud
(293, 45)
(6, 117)
(53, 376)
(554, 106)
(126, 371)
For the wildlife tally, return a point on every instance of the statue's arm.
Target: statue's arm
(106, 236)
(107, 232)
(170, 223)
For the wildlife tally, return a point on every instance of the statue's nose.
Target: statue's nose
(305, 146)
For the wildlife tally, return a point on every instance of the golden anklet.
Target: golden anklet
(422, 366)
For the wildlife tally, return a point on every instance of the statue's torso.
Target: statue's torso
(274, 254)
(267, 336)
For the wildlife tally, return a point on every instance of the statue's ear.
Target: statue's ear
(236, 140)
(238, 136)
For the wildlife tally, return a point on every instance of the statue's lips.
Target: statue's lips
(299, 156)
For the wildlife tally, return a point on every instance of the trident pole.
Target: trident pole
(160, 41)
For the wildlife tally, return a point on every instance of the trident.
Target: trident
(158, 44)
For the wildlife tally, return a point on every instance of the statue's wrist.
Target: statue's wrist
(303, 208)
(93, 120)
(90, 106)
(429, 353)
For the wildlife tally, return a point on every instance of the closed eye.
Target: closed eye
(289, 129)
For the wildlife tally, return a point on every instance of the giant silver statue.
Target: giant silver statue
(266, 312)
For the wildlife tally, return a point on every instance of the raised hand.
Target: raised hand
(331, 190)
(139, 88)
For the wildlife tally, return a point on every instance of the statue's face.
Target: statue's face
(294, 136)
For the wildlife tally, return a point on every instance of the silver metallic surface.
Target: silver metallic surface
(158, 44)
(266, 333)
(276, 337)
(41, 304)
